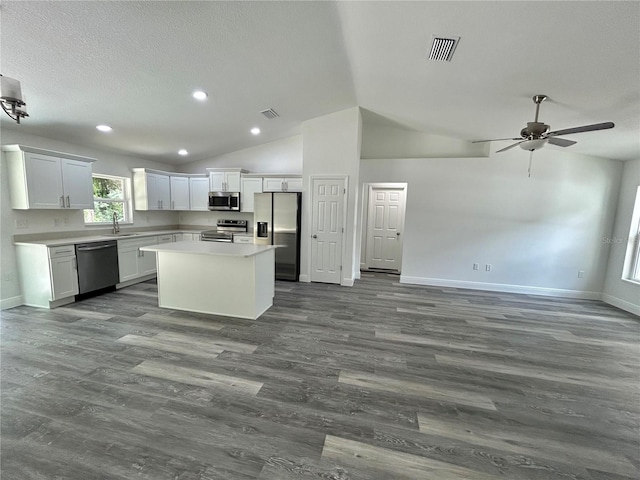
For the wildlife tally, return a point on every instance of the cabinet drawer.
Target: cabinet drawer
(62, 251)
(242, 239)
(137, 242)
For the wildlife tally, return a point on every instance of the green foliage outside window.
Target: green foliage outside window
(109, 198)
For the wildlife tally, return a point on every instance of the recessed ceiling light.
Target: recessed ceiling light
(183, 152)
(104, 128)
(255, 130)
(200, 95)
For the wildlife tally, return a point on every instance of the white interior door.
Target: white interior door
(327, 229)
(385, 222)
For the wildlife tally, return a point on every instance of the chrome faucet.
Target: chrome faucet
(116, 227)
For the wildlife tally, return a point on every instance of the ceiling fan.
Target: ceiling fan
(536, 134)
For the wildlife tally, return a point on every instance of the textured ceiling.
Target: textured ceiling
(133, 65)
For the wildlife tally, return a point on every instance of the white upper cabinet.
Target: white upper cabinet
(199, 193)
(151, 190)
(179, 193)
(41, 179)
(250, 186)
(282, 184)
(225, 179)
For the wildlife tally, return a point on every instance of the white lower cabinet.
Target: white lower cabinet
(134, 263)
(48, 275)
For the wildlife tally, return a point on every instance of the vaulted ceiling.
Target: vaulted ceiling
(133, 65)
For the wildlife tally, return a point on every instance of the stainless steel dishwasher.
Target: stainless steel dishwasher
(97, 265)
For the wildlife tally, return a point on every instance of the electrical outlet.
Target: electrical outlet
(476, 266)
(22, 223)
(580, 273)
(57, 222)
(487, 267)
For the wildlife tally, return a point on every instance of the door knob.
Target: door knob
(314, 236)
(398, 234)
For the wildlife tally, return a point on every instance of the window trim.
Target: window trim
(631, 270)
(127, 201)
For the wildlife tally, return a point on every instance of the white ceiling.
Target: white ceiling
(133, 65)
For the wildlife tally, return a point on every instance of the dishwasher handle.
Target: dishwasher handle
(86, 248)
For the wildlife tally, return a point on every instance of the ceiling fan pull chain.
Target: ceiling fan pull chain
(530, 160)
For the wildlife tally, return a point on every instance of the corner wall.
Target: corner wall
(618, 292)
(536, 233)
(331, 147)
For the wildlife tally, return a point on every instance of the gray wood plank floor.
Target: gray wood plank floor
(378, 381)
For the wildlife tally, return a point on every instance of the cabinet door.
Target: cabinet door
(272, 185)
(233, 181)
(179, 193)
(217, 181)
(64, 277)
(250, 186)
(77, 184)
(153, 201)
(44, 181)
(164, 192)
(293, 184)
(199, 193)
(147, 263)
(128, 263)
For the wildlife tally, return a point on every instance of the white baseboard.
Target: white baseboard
(304, 278)
(11, 302)
(501, 287)
(622, 304)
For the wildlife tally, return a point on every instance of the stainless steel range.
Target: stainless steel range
(224, 231)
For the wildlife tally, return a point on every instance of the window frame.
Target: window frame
(631, 271)
(127, 201)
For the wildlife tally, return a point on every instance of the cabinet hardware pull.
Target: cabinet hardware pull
(68, 202)
(62, 201)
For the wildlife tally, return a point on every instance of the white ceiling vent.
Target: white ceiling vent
(442, 48)
(270, 113)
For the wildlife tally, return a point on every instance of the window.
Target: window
(632, 258)
(110, 195)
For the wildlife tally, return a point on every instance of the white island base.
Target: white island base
(235, 280)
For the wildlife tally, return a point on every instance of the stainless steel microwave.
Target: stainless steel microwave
(224, 201)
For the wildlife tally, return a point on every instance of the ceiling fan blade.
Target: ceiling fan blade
(510, 146)
(561, 142)
(584, 128)
(496, 140)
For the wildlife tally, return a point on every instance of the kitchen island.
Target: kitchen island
(235, 280)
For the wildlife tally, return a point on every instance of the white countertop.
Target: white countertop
(100, 238)
(211, 248)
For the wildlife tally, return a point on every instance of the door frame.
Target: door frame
(366, 193)
(345, 202)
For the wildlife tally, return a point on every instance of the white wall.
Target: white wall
(69, 220)
(537, 232)
(281, 156)
(383, 141)
(617, 291)
(331, 146)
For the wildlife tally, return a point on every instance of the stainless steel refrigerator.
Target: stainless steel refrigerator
(276, 218)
